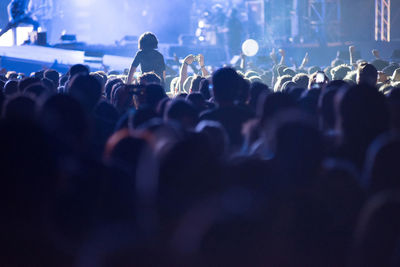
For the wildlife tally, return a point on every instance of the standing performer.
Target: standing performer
(18, 13)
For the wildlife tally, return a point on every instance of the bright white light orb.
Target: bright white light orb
(250, 47)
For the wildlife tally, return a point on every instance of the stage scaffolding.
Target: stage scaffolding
(324, 18)
(382, 20)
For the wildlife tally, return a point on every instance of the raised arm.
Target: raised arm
(132, 71)
(204, 71)
(272, 55)
(183, 73)
(305, 61)
(283, 55)
(352, 49)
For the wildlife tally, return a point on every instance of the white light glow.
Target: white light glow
(250, 47)
(22, 36)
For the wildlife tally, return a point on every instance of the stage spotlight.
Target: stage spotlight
(250, 47)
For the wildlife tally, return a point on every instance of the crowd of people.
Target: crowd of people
(248, 165)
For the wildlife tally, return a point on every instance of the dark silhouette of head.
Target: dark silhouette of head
(149, 78)
(198, 101)
(109, 86)
(11, 87)
(26, 82)
(363, 115)
(183, 112)
(381, 166)
(148, 41)
(20, 107)
(301, 80)
(78, 69)
(377, 233)
(274, 103)
(153, 94)
(54, 76)
(64, 119)
(226, 85)
(367, 74)
(205, 89)
(257, 91)
(86, 89)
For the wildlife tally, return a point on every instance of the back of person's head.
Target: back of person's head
(38, 74)
(11, 87)
(301, 80)
(109, 85)
(280, 69)
(182, 111)
(86, 89)
(78, 69)
(149, 78)
(99, 78)
(380, 64)
(288, 86)
(289, 72)
(64, 119)
(195, 86)
(267, 78)
(198, 101)
(49, 84)
(377, 232)
(297, 145)
(154, 93)
(38, 90)
(363, 114)
(351, 77)
(309, 100)
(26, 82)
(367, 74)
(20, 107)
(339, 72)
(141, 116)
(274, 103)
(53, 75)
(251, 73)
(326, 104)
(148, 41)
(192, 181)
(205, 89)
(381, 167)
(257, 91)
(124, 149)
(63, 79)
(280, 81)
(255, 79)
(244, 91)
(217, 135)
(11, 75)
(226, 85)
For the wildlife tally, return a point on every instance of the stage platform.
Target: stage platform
(49, 57)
